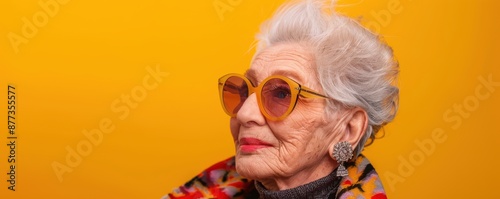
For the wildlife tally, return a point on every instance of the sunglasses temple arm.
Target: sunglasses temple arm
(306, 92)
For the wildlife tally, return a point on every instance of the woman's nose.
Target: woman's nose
(249, 113)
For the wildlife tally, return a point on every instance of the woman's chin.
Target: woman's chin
(247, 165)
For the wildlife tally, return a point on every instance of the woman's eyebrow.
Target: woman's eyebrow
(252, 74)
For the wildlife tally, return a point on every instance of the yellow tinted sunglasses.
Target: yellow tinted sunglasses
(277, 95)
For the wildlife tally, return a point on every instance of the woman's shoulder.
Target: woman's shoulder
(362, 181)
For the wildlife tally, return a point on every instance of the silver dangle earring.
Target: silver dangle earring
(342, 152)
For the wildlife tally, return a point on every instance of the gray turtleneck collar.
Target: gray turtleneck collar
(325, 187)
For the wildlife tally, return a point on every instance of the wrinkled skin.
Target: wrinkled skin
(302, 143)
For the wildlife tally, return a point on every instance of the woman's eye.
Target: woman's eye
(281, 93)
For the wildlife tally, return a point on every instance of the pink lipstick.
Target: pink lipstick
(248, 145)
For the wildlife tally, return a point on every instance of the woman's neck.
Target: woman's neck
(324, 187)
(302, 177)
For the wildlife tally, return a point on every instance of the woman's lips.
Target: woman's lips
(248, 145)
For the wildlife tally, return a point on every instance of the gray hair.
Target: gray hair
(354, 66)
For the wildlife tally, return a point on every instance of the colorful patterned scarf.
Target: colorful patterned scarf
(222, 181)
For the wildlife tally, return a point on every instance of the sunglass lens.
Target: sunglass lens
(235, 92)
(276, 97)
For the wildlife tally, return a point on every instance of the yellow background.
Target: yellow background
(90, 53)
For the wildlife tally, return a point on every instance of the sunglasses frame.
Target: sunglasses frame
(296, 90)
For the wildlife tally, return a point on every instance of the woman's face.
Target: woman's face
(290, 152)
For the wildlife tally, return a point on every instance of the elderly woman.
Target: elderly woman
(319, 88)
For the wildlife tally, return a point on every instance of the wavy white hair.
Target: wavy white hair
(354, 66)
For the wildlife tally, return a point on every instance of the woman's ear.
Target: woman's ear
(353, 128)
(356, 126)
